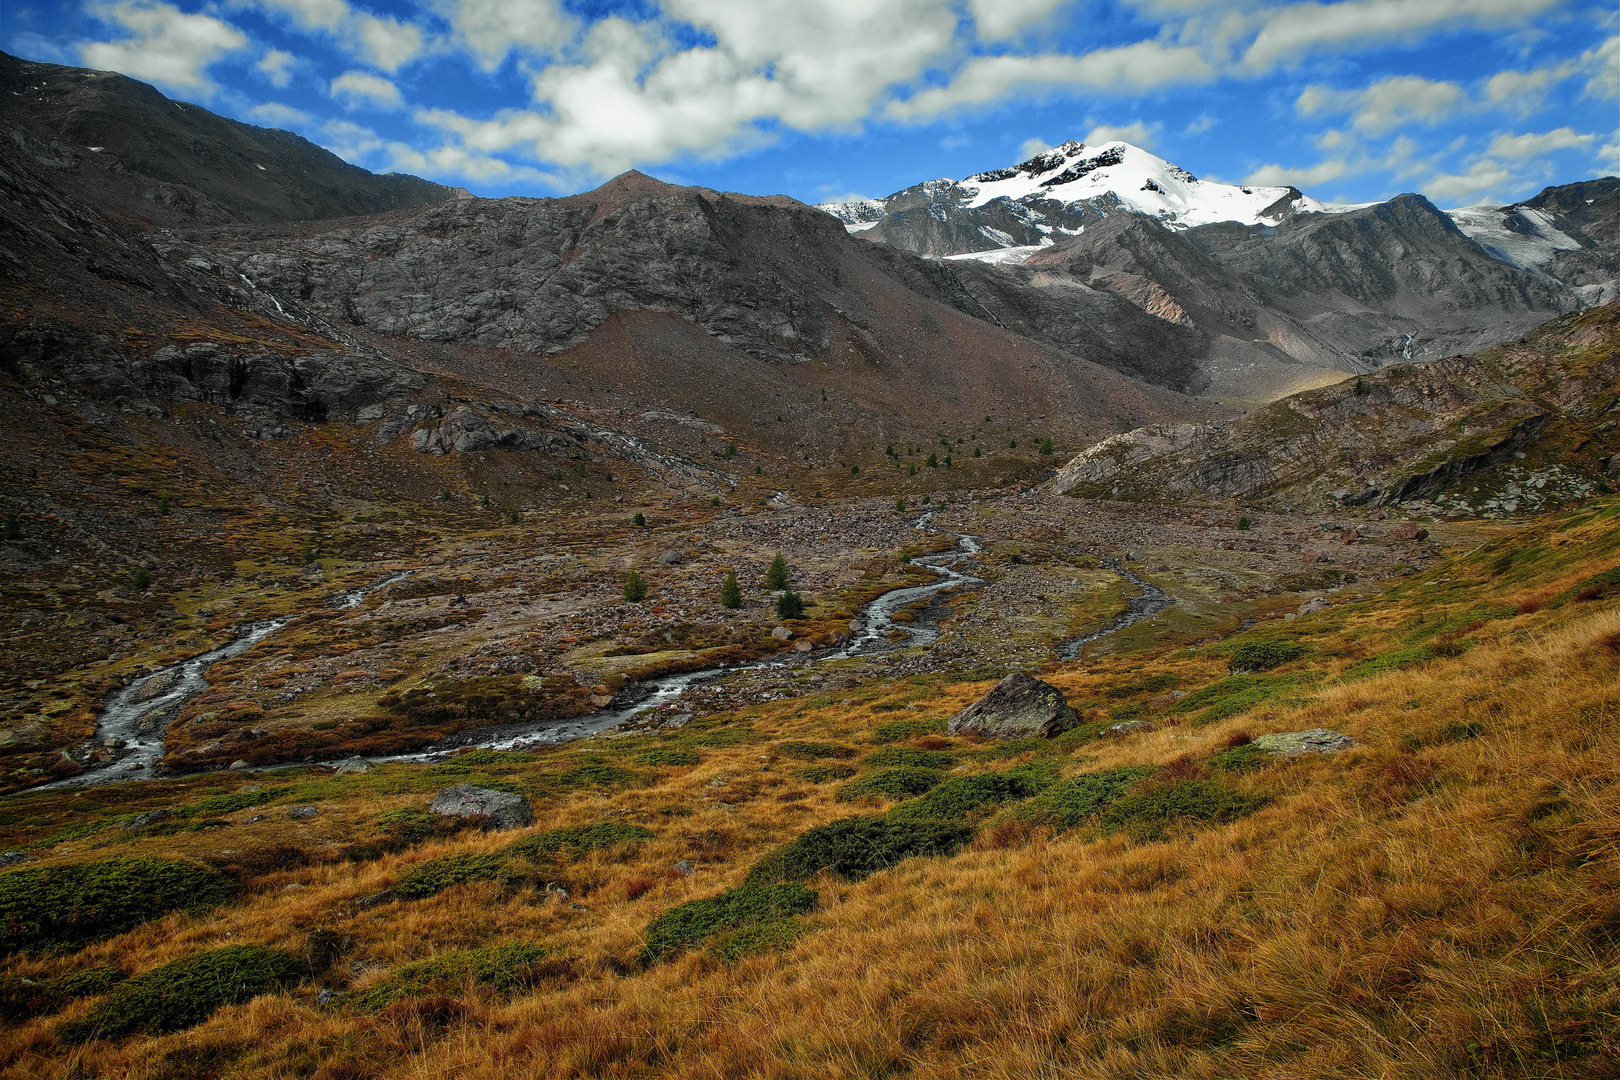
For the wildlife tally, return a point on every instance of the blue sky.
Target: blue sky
(1467, 101)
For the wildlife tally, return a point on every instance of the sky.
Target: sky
(1465, 101)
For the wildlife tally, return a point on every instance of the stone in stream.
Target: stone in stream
(1313, 741)
(353, 765)
(1017, 707)
(504, 809)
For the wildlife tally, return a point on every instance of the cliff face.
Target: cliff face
(1512, 429)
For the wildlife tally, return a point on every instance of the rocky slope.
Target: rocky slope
(123, 147)
(1515, 429)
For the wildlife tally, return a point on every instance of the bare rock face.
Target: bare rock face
(1017, 707)
(504, 809)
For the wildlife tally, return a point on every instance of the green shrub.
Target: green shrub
(696, 921)
(776, 574)
(896, 756)
(187, 992)
(1072, 802)
(1240, 759)
(24, 999)
(897, 730)
(731, 591)
(814, 751)
(821, 774)
(1146, 812)
(576, 840)
(773, 935)
(1234, 695)
(13, 531)
(856, 847)
(640, 520)
(141, 579)
(600, 774)
(1265, 655)
(790, 605)
(505, 969)
(665, 756)
(1386, 662)
(635, 590)
(737, 735)
(957, 798)
(71, 905)
(436, 875)
(902, 783)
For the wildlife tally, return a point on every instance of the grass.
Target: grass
(504, 969)
(185, 992)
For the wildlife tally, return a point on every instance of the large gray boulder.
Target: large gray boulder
(1017, 707)
(1313, 741)
(504, 809)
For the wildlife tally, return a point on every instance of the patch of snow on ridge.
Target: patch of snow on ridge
(1518, 235)
(1142, 182)
(1002, 256)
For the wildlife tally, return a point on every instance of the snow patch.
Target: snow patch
(1517, 235)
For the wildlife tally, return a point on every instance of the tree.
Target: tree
(900, 503)
(13, 530)
(730, 451)
(1046, 448)
(790, 605)
(933, 461)
(776, 574)
(639, 520)
(513, 517)
(141, 579)
(635, 590)
(1243, 524)
(163, 506)
(730, 591)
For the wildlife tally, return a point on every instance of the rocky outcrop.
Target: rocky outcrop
(504, 809)
(1294, 743)
(1017, 707)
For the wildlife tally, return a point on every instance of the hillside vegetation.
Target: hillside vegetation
(809, 888)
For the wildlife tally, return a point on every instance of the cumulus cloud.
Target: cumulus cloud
(389, 43)
(276, 114)
(1603, 64)
(362, 89)
(165, 44)
(386, 43)
(311, 14)
(491, 29)
(276, 67)
(349, 141)
(1386, 104)
(1136, 132)
(1530, 145)
(997, 19)
(1485, 175)
(1300, 28)
(1525, 91)
(985, 79)
(1278, 176)
(1199, 124)
(1031, 147)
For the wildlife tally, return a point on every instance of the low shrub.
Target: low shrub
(901, 783)
(1265, 655)
(775, 934)
(751, 905)
(1385, 662)
(505, 969)
(859, 846)
(1146, 812)
(1071, 803)
(898, 730)
(187, 991)
(821, 774)
(662, 756)
(893, 756)
(598, 774)
(23, 999)
(1240, 759)
(957, 798)
(436, 875)
(576, 840)
(65, 906)
(814, 751)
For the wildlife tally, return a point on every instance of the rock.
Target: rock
(1313, 605)
(239, 764)
(303, 813)
(1017, 707)
(670, 558)
(374, 899)
(683, 868)
(12, 858)
(1129, 727)
(255, 819)
(504, 809)
(1314, 741)
(353, 765)
(151, 817)
(601, 701)
(329, 997)
(1409, 530)
(781, 633)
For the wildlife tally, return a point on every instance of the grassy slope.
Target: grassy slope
(1439, 901)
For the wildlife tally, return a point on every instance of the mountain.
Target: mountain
(1520, 428)
(1058, 194)
(131, 152)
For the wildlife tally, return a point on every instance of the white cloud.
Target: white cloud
(1483, 176)
(1386, 104)
(1518, 146)
(997, 19)
(167, 46)
(1031, 147)
(1525, 91)
(1199, 124)
(984, 79)
(390, 43)
(276, 66)
(278, 115)
(1277, 176)
(1299, 28)
(1604, 64)
(1135, 132)
(493, 28)
(312, 14)
(358, 89)
(349, 141)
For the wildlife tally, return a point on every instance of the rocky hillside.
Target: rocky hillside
(1516, 429)
(123, 147)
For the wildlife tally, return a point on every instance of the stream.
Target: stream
(1152, 601)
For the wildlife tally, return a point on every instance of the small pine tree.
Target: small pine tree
(141, 579)
(899, 504)
(730, 451)
(640, 520)
(790, 605)
(13, 530)
(776, 574)
(714, 500)
(730, 591)
(163, 506)
(947, 461)
(911, 470)
(854, 470)
(932, 462)
(513, 517)
(823, 394)
(977, 452)
(1012, 444)
(635, 590)
(1243, 524)
(1046, 448)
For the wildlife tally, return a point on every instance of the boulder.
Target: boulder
(1409, 530)
(1313, 605)
(303, 813)
(1129, 727)
(1294, 743)
(1017, 707)
(504, 809)
(151, 817)
(353, 765)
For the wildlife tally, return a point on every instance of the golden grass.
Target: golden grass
(1442, 900)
